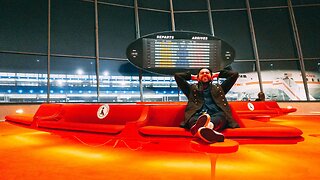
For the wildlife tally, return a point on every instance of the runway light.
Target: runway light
(19, 111)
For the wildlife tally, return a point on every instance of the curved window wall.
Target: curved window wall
(74, 51)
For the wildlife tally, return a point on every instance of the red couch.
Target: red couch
(140, 119)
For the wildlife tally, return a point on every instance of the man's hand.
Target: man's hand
(194, 77)
(215, 75)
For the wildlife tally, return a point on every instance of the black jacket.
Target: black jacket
(194, 93)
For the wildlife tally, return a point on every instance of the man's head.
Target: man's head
(261, 96)
(204, 75)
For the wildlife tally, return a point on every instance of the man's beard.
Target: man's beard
(205, 79)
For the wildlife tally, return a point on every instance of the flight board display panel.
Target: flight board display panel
(177, 51)
(180, 53)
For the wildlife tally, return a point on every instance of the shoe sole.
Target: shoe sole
(210, 136)
(202, 121)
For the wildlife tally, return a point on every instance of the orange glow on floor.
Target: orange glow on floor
(30, 154)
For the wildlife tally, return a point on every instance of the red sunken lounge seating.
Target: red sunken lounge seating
(83, 117)
(260, 110)
(149, 120)
(164, 120)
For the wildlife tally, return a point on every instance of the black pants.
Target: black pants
(218, 119)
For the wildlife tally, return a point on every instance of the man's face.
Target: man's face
(204, 76)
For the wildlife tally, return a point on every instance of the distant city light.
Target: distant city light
(60, 83)
(122, 83)
(80, 71)
(19, 111)
(106, 73)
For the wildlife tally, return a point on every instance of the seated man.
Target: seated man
(207, 110)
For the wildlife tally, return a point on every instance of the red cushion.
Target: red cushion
(166, 115)
(46, 110)
(252, 128)
(25, 119)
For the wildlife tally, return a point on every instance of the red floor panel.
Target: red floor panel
(31, 154)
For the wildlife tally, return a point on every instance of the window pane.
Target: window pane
(282, 80)
(247, 86)
(23, 78)
(267, 3)
(160, 88)
(308, 22)
(233, 27)
(115, 31)
(73, 80)
(304, 2)
(24, 26)
(119, 82)
(274, 33)
(184, 5)
(227, 4)
(195, 21)
(72, 27)
(152, 21)
(313, 77)
(120, 2)
(155, 4)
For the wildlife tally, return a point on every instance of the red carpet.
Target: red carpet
(31, 154)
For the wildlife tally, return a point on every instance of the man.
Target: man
(207, 110)
(261, 97)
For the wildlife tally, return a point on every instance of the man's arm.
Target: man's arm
(231, 78)
(181, 79)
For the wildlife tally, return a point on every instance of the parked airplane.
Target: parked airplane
(278, 85)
